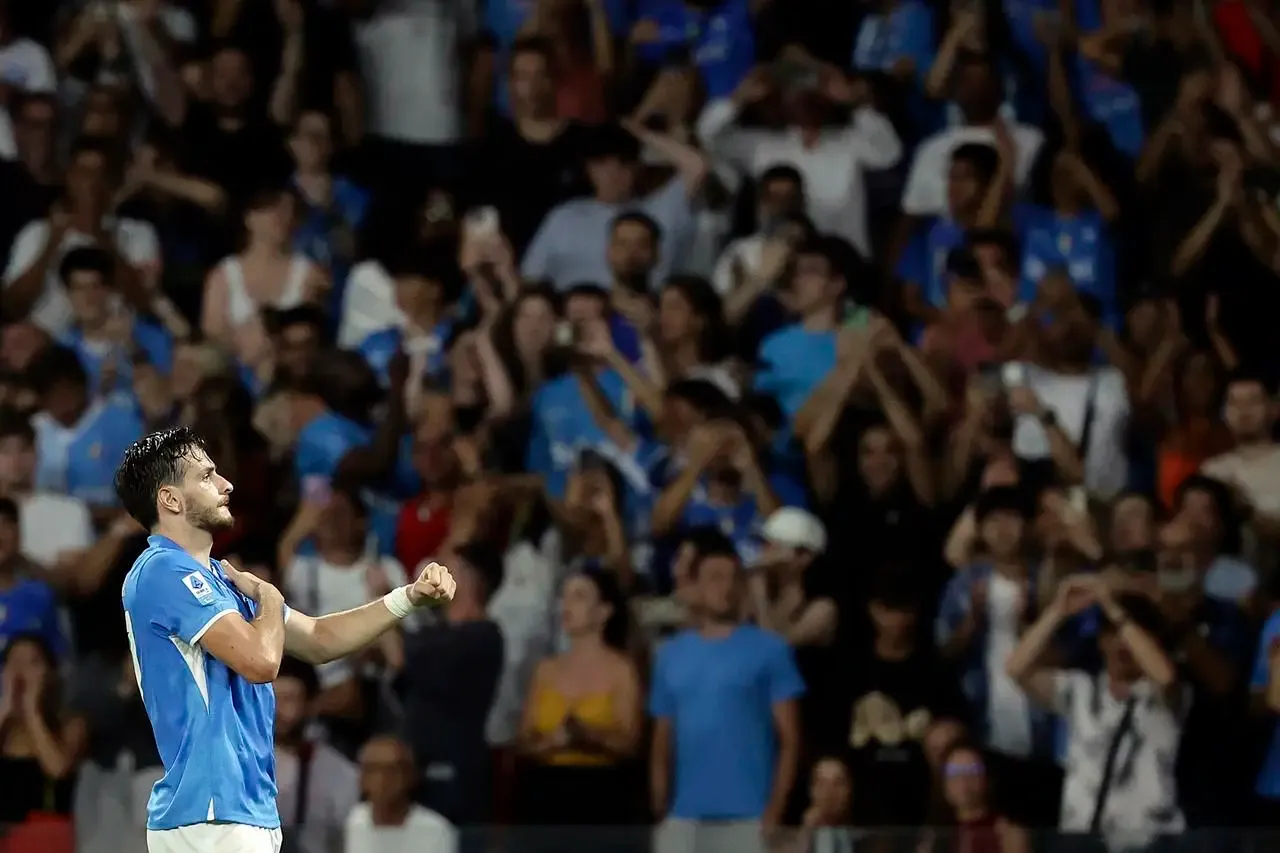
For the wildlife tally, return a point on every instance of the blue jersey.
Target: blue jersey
(213, 728)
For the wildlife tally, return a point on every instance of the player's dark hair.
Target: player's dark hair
(156, 460)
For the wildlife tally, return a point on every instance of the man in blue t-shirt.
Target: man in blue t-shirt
(726, 736)
(79, 440)
(207, 641)
(923, 265)
(717, 36)
(107, 338)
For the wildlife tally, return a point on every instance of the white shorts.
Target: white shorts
(214, 838)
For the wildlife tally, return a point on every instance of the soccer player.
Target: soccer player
(207, 641)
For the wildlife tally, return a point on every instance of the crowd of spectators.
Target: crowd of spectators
(838, 416)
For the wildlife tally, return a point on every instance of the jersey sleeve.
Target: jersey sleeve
(177, 597)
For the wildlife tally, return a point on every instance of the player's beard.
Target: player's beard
(211, 519)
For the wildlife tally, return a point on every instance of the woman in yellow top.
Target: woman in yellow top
(582, 720)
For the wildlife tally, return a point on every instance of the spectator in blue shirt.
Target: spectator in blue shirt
(331, 208)
(106, 336)
(897, 39)
(1072, 233)
(721, 484)
(562, 422)
(28, 605)
(333, 405)
(726, 721)
(422, 279)
(1265, 684)
(794, 360)
(923, 266)
(79, 441)
(715, 35)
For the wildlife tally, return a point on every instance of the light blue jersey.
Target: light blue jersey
(213, 728)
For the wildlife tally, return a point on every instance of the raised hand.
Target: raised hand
(435, 584)
(1076, 594)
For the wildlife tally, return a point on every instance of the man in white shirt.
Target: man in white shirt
(978, 94)
(831, 161)
(1123, 725)
(388, 821)
(50, 525)
(415, 84)
(317, 784)
(31, 284)
(1075, 401)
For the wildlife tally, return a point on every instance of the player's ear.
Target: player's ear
(168, 498)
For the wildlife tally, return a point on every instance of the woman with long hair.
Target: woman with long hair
(512, 352)
(266, 273)
(689, 335)
(582, 721)
(40, 745)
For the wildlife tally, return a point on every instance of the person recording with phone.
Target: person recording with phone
(1134, 707)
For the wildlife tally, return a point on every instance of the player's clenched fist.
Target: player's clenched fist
(435, 584)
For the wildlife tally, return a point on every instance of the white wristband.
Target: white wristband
(397, 601)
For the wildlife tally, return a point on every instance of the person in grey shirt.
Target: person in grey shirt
(571, 245)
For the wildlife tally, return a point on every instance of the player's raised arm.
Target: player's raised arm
(320, 639)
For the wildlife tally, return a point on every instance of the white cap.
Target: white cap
(792, 527)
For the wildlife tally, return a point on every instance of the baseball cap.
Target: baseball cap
(792, 527)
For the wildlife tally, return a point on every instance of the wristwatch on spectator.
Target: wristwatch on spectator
(1047, 418)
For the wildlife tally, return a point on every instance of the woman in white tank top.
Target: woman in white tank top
(265, 274)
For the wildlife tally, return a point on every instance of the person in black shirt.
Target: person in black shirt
(450, 677)
(531, 163)
(228, 141)
(893, 693)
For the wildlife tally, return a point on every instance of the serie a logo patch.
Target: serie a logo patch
(199, 587)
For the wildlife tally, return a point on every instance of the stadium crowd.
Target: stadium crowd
(838, 416)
